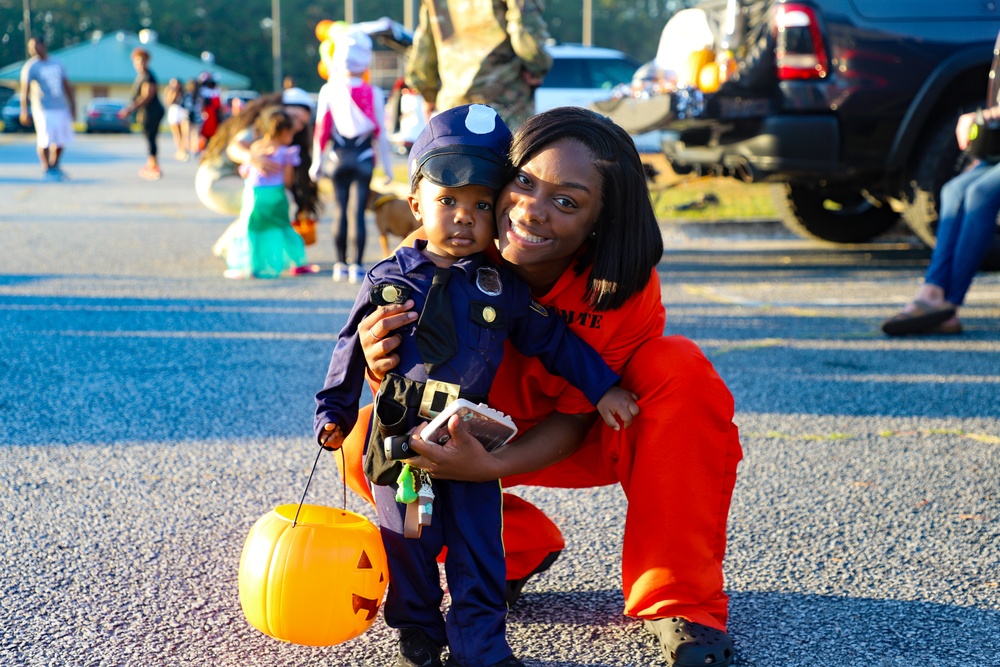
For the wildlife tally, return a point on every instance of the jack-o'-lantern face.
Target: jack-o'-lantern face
(368, 573)
(318, 583)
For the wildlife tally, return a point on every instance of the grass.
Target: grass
(736, 200)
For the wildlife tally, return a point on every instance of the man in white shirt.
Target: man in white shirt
(52, 107)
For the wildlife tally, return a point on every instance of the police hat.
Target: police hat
(466, 145)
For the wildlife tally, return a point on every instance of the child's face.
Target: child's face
(286, 136)
(458, 221)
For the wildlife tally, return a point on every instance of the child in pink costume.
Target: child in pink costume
(270, 246)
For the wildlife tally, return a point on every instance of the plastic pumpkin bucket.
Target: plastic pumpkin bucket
(319, 582)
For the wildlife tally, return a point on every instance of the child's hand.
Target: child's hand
(331, 437)
(620, 403)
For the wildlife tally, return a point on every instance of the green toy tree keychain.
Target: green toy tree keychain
(407, 491)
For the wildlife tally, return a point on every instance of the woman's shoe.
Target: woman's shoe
(150, 173)
(357, 274)
(687, 644)
(922, 317)
(950, 327)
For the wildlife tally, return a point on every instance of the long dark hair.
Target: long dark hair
(303, 188)
(627, 243)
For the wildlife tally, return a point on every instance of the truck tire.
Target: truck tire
(841, 215)
(939, 161)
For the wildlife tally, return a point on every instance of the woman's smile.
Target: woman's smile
(518, 232)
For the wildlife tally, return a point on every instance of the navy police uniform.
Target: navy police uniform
(489, 307)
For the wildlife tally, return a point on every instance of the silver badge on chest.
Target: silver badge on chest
(488, 281)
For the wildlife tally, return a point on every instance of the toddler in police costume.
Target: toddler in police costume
(468, 307)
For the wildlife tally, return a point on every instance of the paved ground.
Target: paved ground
(151, 411)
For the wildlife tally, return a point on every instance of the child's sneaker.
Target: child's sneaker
(417, 650)
(357, 273)
(304, 269)
(235, 274)
(339, 272)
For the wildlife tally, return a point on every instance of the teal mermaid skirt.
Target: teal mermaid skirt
(269, 246)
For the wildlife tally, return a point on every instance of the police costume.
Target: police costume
(485, 306)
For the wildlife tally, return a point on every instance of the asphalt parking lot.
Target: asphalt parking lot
(151, 411)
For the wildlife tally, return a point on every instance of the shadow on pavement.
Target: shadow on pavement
(795, 629)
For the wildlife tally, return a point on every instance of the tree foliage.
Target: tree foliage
(239, 33)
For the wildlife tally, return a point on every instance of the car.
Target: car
(11, 114)
(580, 75)
(849, 106)
(101, 115)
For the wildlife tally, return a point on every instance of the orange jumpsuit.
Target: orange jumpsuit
(676, 463)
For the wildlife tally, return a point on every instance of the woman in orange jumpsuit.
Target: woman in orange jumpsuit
(575, 223)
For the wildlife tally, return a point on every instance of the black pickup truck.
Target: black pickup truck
(849, 106)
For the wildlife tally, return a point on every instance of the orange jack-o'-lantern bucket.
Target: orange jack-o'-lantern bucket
(312, 575)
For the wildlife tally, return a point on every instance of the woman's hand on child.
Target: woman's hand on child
(462, 458)
(260, 158)
(618, 403)
(377, 338)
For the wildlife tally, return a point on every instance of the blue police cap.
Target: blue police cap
(466, 145)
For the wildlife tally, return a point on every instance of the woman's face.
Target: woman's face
(139, 63)
(300, 117)
(549, 208)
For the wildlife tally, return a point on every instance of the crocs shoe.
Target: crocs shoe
(687, 644)
(417, 650)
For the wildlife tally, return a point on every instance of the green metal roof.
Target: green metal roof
(109, 61)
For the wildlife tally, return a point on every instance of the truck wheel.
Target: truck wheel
(938, 162)
(839, 215)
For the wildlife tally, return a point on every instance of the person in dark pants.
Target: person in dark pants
(145, 98)
(350, 118)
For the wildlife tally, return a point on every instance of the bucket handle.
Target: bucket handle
(343, 466)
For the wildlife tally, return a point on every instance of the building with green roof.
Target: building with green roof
(102, 67)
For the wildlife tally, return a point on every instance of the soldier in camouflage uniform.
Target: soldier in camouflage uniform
(480, 51)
